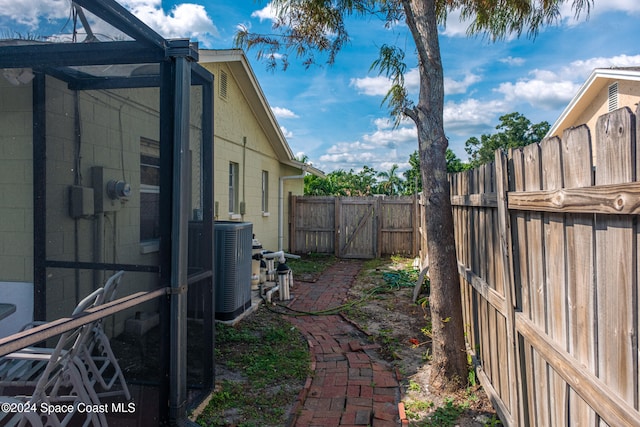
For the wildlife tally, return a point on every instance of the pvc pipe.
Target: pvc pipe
(270, 292)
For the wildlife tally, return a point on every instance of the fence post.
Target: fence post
(292, 224)
(377, 216)
(504, 222)
(416, 225)
(337, 213)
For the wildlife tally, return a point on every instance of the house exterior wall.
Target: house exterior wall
(240, 138)
(112, 124)
(16, 183)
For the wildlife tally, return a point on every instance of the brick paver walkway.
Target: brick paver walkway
(347, 386)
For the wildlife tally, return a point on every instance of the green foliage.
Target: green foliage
(369, 181)
(413, 408)
(471, 378)
(414, 386)
(311, 263)
(390, 184)
(391, 64)
(498, 20)
(445, 416)
(341, 183)
(515, 130)
(493, 421)
(454, 164)
(412, 176)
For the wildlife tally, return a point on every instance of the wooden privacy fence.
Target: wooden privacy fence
(548, 259)
(354, 227)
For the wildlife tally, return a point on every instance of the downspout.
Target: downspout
(281, 205)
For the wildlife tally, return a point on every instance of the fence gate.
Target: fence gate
(354, 227)
(357, 231)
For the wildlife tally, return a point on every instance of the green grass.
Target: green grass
(272, 358)
(310, 263)
(446, 415)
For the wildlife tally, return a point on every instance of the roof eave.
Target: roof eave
(597, 74)
(243, 73)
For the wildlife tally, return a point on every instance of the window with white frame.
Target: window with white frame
(234, 172)
(149, 190)
(265, 191)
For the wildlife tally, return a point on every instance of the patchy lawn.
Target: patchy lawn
(262, 364)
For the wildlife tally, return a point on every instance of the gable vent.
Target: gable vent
(223, 84)
(613, 97)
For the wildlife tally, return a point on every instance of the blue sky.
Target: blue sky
(334, 114)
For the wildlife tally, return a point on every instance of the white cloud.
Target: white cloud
(349, 155)
(267, 13)
(383, 123)
(286, 132)
(452, 87)
(28, 12)
(540, 93)
(454, 26)
(583, 68)
(510, 60)
(342, 147)
(412, 80)
(550, 90)
(379, 86)
(284, 113)
(471, 114)
(371, 86)
(389, 137)
(183, 20)
(599, 7)
(379, 149)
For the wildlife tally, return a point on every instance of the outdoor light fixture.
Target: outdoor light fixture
(18, 76)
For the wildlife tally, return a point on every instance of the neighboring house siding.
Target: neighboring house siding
(628, 96)
(592, 100)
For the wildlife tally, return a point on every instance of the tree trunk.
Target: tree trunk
(449, 362)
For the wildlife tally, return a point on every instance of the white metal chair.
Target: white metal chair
(55, 376)
(101, 362)
(16, 415)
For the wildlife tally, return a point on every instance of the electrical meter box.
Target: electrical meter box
(81, 202)
(110, 191)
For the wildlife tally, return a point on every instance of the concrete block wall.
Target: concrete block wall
(16, 183)
(235, 123)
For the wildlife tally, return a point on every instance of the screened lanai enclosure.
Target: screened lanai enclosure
(106, 161)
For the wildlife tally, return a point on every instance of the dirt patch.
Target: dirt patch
(386, 313)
